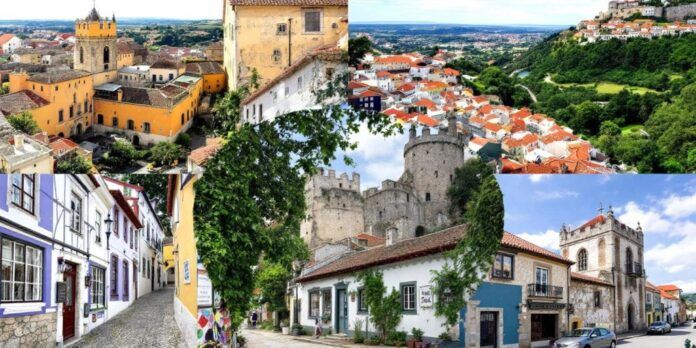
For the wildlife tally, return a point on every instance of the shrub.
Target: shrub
(183, 140)
(374, 341)
(417, 334)
(297, 329)
(241, 340)
(396, 338)
(357, 331)
(24, 123)
(73, 164)
(445, 336)
(165, 153)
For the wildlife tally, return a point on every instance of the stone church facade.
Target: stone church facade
(608, 259)
(413, 205)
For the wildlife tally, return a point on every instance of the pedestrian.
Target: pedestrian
(317, 328)
(254, 318)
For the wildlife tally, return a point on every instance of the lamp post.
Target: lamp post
(108, 223)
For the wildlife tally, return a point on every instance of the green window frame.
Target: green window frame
(409, 297)
(362, 306)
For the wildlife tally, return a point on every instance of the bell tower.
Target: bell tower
(95, 49)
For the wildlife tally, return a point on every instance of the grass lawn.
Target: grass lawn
(609, 87)
(675, 77)
(631, 129)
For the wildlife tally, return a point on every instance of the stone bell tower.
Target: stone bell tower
(95, 48)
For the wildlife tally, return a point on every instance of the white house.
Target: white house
(163, 71)
(135, 76)
(296, 88)
(9, 43)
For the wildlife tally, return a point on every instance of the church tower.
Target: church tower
(608, 249)
(95, 49)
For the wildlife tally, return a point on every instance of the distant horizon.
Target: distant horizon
(460, 24)
(117, 19)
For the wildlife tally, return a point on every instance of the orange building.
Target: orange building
(148, 115)
(213, 75)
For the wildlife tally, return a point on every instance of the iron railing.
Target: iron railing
(544, 290)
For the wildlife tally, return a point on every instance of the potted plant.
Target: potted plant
(416, 340)
(284, 326)
(297, 330)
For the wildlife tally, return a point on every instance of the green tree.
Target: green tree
(4, 88)
(73, 164)
(122, 155)
(357, 49)
(473, 255)
(166, 153)
(228, 108)
(384, 307)
(24, 122)
(272, 279)
(257, 181)
(467, 181)
(156, 189)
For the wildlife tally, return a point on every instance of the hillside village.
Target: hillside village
(415, 89)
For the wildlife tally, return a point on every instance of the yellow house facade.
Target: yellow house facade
(180, 199)
(148, 115)
(268, 38)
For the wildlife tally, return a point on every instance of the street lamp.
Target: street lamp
(108, 223)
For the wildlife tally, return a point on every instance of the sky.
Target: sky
(540, 12)
(56, 9)
(536, 206)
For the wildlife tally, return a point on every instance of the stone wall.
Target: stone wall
(676, 13)
(585, 313)
(393, 203)
(28, 331)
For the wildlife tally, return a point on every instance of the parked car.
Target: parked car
(660, 327)
(587, 337)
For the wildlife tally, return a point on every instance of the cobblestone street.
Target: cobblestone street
(149, 322)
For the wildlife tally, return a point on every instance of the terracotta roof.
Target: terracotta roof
(356, 84)
(405, 250)
(126, 208)
(204, 68)
(165, 64)
(595, 220)
(427, 120)
(512, 241)
(669, 287)
(16, 103)
(650, 286)
(201, 155)
(289, 2)
(4, 38)
(58, 76)
(589, 279)
(667, 295)
(62, 145)
(370, 239)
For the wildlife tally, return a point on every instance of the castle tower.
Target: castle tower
(430, 161)
(95, 48)
(605, 248)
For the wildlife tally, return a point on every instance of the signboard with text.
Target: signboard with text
(426, 296)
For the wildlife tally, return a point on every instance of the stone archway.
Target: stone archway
(631, 312)
(136, 140)
(420, 231)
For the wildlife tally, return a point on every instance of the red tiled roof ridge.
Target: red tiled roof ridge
(588, 278)
(512, 241)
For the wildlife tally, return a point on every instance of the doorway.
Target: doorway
(69, 277)
(543, 327)
(341, 311)
(489, 329)
(135, 278)
(631, 312)
(152, 275)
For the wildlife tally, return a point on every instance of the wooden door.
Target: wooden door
(489, 329)
(70, 278)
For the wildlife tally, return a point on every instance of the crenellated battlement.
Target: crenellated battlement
(327, 179)
(600, 224)
(94, 26)
(387, 186)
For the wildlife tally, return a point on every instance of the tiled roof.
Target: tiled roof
(595, 220)
(512, 241)
(405, 250)
(667, 295)
(4, 38)
(165, 64)
(668, 287)
(370, 239)
(650, 286)
(201, 155)
(58, 76)
(204, 68)
(16, 103)
(126, 208)
(289, 2)
(589, 279)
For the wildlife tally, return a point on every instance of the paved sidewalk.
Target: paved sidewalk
(148, 322)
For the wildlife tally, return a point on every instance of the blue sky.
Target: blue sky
(545, 12)
(665, 205)
(52, 9)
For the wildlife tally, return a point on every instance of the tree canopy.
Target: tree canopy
(24, 122)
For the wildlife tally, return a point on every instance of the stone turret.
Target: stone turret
(95, 48)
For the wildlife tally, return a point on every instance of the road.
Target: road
(531, 94)
(674, 339)
(148, 322)
(266, 339)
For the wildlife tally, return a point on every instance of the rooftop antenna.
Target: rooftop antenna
(601, 208)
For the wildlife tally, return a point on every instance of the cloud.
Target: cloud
(548, 239)
(537, 178)
(551, 195)
(650, 220)
(680, 206)
(688, 286)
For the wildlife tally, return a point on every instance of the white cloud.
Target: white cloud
(377, 158)
(536, 178)
(680, 206)
(51, 9)
(688, 286)
(548, 239)
(550, 195)
(650, 220)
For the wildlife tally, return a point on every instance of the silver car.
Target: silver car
(660, 327)
(588, 337)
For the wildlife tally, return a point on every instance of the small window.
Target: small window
(100, 119)
(329, 73)
(113, 278)
(60, 116)
(314, 298)
(312, 22)
(362, 304)
(97, 228)
(582, 260)
(131, 125)
(276, 55)
(598, 299)
(299, 82)
(281, 29)
(76, 213)
(503, 267)
(326, 303)
(22, 276)
(146, 127)
(427, 196)
(126, 284)
(408, 297)
(23, 191)
(97, 289)
(114, 121)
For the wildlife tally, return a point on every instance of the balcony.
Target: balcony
(634, 269)
(544, 290)
(648, 307)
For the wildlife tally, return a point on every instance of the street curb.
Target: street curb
(631, 336)
(308, 340)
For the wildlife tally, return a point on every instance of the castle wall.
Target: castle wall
(676, 13)
(431, 160)
(395, 205)
(585, 312)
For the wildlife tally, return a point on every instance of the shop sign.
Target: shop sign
(552, 306)
(426, 296)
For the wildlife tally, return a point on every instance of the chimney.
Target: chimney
(452, 125)
(412, 132)
(19, 141)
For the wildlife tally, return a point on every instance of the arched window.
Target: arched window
(106, 58)
(582, 260)
(82, 55)
(427, 196)
(100, 119)
(629, 259)
(131, 125)
(420, 231)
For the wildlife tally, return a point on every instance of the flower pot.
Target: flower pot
(411, 343)
(286, 330)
